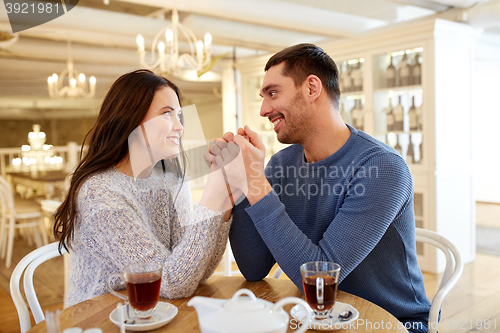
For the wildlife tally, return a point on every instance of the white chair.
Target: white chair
(27, 212)
(49, 207)
(452, 272)
(28, 265)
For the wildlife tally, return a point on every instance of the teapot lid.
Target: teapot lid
(244, 304)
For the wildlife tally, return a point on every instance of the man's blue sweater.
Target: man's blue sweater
(354, 208)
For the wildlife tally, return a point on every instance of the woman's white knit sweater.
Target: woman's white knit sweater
(122, 220)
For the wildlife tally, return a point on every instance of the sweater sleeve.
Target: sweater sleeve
(356, 229)
(183, 205)
(220, 248)
(249, 249)
(117, 231)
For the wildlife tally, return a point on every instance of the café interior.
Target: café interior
(54, 76)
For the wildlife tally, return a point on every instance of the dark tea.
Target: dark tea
(330, 292)
(143, 291)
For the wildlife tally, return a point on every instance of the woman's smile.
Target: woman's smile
(174, 139)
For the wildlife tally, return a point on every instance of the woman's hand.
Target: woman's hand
(224, 158)
(249, 161)
(227, 157)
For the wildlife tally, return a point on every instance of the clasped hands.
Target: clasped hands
(239, 160)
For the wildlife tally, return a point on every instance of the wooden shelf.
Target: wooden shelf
(399, 132)
(351, 94)
(403, 89)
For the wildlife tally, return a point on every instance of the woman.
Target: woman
(121, 209)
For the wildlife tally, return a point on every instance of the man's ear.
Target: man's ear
(314, 87)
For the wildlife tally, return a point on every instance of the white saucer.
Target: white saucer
(298, 313)
(165, 310)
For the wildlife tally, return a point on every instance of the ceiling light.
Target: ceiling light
(165, 57)
(74, 87)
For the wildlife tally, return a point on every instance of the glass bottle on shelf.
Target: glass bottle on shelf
(404, 71)
(419, 117)
(389, 117)
(412, 115)
(391, 139)
(416, 140)
(353, 114)
(391, 74)
(344, 114)
(416, 70)
(346, 78)
(357, 77)
(399, 115)
(410, 155)
(398, 147)
(357, 115)
(421, 152)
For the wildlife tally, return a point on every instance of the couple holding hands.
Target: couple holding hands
(335, 194)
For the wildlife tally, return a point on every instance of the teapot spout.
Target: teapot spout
(205, 305)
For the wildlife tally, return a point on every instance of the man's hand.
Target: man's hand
(253, 152)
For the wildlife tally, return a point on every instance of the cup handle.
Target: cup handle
(111, 290)
(296, 300)
(320, 289)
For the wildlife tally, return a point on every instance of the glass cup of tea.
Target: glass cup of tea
(143, 282)
(320, 281)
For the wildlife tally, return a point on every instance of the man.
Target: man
(336, 194)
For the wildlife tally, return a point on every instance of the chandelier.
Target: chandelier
(37, 156)
(73, 87)
(165, 57)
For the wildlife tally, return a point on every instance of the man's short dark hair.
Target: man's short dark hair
(302, 60)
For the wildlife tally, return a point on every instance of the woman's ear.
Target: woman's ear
(314, 87)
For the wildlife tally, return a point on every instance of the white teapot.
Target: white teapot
(245, 314)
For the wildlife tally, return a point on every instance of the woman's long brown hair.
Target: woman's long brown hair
(123, 109)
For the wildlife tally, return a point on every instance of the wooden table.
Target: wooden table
(43, 182)
(95, 312)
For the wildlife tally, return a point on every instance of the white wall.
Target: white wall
(486, 120)
(211, 119)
